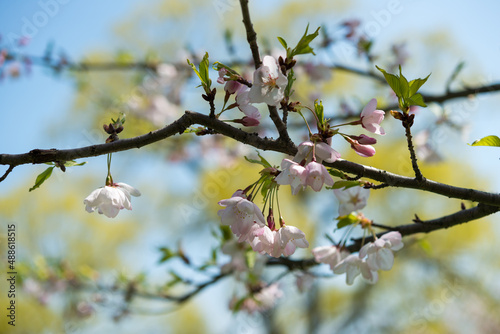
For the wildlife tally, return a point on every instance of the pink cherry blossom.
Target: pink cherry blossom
(276, 243)
(316, 175)
(241, 215)
(330, 255)
(351, 199)
(323, 152)
(222, 73)
(380, 252)
(109, 200)
(362, 150)
(293, 174)
(371, 118)
(290, 237)
(364, 140)
(268, 83)
(247, 121)
(232, 86)
(243, 102)
(352, 266)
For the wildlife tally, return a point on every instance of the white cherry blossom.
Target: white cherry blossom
(109, 200)
(351, 199)
(380, 252)
(268, 83)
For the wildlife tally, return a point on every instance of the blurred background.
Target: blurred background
(74, 266)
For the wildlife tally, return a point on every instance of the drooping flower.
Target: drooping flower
(243, 102)
(316, 175)
(290, 237)
(278, 242)
(352, 266)
(293, 174)
(371, 118)
(351, 199)
(109, 200)
(241, 215)
(380, 252)
(330, 255)
(268, 83)
(323, 152)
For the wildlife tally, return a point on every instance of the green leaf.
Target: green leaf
(204, 66)
(303, 45)
(403, 85)
(416, 100)
(335, 172)
(203, 72)
(319, 110)
(487, 141)
(283, 42)
(73, 163)
(266, 185)
(262, 161)
(347, 220)
(392, 80)
(416, 84)
(40, 179)
(346, 184)
(167, 254)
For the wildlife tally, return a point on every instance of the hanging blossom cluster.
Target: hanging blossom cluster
(266, 236)
(372, 257)
(248, 224)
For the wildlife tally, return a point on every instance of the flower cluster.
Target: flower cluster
(373, 256)
(247, 222)
(306, 169)
(268, 87)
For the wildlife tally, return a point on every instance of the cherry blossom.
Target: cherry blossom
(268, 83)
(275, 243)
(316, 175)
(323, 152)
(361, 149)
(109, 200)
(330, 255)
(351, 199)
(243, 102)
(371, 118)
(352, 266)
(293, 174)
(241, 215)
(379, 253)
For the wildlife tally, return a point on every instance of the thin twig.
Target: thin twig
(413, 156)
(11, 167)
(251, 34)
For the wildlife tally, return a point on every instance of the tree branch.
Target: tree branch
(251, 34)
(395, 180)
(427, 226)
(11, 167)
(39, 156)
